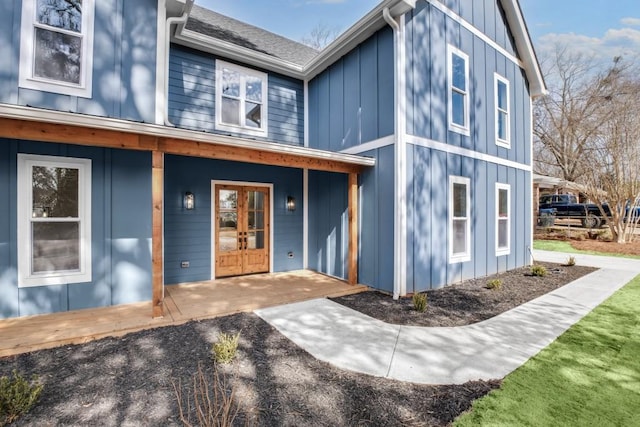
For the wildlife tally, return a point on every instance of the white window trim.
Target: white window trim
(497, 78)
(263, 131)
(25, 194)
(454, 127)
(466, 255)
(503, 250)
(27, 52)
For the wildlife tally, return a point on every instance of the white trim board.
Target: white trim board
(385, 141)
(215, 182)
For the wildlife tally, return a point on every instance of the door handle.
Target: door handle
(245, 241)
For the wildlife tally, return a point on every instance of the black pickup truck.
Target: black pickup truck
(566, 206)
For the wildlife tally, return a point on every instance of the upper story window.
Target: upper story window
(241, 99)
(54, 220)
(56, 47)
(458, 91)
(501, 85)
(459, 219)
(503, 218)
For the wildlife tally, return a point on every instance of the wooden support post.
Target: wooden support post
(353, 228)
(157, 256)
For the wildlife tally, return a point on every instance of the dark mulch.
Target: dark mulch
(467, 302)
(130, 380)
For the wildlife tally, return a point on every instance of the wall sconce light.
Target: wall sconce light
(189, 201)
(291, 203)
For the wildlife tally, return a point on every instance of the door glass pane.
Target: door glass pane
(256, 200)
(54, 192)
(255, 240)
(56, 247)
(228, 220)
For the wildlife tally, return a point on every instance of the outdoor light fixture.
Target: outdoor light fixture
(291, 203)
(189, 200)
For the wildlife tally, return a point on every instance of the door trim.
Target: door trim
(215, 182)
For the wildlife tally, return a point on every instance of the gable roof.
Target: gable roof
(224, 28)
(224, 36)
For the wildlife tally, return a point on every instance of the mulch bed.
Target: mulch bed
(132, 380)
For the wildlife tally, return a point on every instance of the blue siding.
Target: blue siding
(188, 233)
(352, 101)
(192, 98)
(428, 218)
(124, 63)
(121, 232)
(429, 31)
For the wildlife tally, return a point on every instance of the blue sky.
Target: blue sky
(603, 27)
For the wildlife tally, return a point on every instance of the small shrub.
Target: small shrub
(571, 261)
(538, 270)
(494, 284)
(224, 350)
(17, 396)
(420, 302)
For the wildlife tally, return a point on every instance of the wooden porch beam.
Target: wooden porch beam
(157, 259)
(353, 229)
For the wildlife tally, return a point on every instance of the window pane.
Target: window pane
(230, 83)
(502, 95)
(459, 200)
(57, 56)
(503, 200)
(231, 111)
(502, 125)
(458, 72)
(65, 14)
(253, 115)
(459, 236)
(503, 233)
(254, 89)
(457, 109)
(56, 246)
(228, 199)
(54, 192)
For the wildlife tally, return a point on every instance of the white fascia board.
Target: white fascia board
(525, 47)
(105, 123)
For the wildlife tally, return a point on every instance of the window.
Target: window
(56, 46)
(503, 218)
(54, 211)
(459, 219)
(458, 91)
(241, 99)
(502, 111)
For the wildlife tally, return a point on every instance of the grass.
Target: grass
(589, 376)
(561, 246)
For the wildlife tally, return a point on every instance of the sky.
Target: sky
(604, 28)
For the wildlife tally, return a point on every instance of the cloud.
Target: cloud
(634, 22)
(623, 42)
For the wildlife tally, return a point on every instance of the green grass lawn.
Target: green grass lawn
(560, 246)
(589, 376)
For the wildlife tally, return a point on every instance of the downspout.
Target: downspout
(400, 200)
(179, 20)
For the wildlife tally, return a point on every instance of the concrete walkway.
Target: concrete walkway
(485, 350)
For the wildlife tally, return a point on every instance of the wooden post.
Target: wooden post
(353, 228)
(157, 261)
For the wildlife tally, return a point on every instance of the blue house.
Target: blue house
(154, 142)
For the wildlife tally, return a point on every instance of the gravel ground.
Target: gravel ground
(132, 381)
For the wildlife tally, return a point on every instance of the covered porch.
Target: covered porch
(183, 303)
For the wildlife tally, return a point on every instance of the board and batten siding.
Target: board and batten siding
(429, 32)
(351, 102)
(124, 62)
(120, 231)
(187, 234)
(192, 95)
(428, 195)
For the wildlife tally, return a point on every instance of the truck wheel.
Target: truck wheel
(591, 221)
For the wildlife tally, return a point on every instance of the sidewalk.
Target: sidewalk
(485, 350)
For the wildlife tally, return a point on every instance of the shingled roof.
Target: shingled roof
(215, 25)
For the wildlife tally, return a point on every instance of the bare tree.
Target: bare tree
(320, 36)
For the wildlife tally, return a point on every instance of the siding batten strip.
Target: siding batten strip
(353, 229)
(157, 190)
